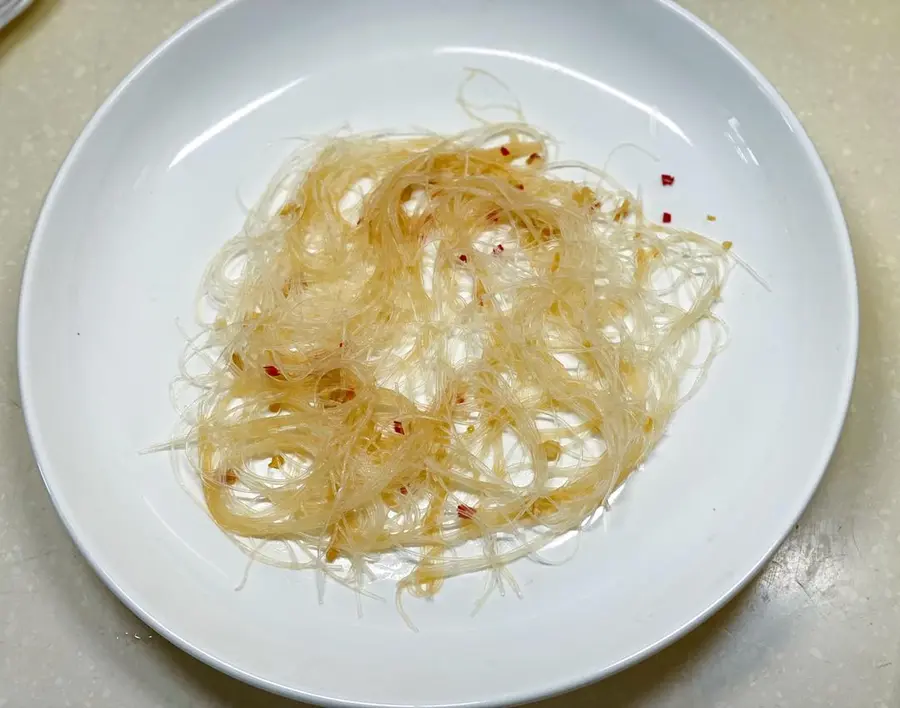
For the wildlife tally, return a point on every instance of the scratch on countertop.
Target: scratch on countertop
(809, 564)
(22, 560)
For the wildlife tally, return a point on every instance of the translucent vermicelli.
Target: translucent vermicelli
(450, 349)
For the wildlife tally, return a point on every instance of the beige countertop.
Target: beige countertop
(819, 626)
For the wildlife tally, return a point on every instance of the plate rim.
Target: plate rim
(831, 439)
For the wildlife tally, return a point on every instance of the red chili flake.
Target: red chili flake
(460, 399)
(272, 371)
(532, 157)
(498, 249)
(667, 217)
(464, 511)
(464, 258)
(404, 490)
(340, 345)
(504, 151)
(342, 395)
(493, 215)
(520, 186)
(398, 428)
(668, 180)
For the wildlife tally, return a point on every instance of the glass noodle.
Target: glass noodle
(440, 348)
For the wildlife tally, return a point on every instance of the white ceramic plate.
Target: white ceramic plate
(148, 195)
(11, 9)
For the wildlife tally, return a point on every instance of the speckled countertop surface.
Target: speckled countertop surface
(820, 626)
